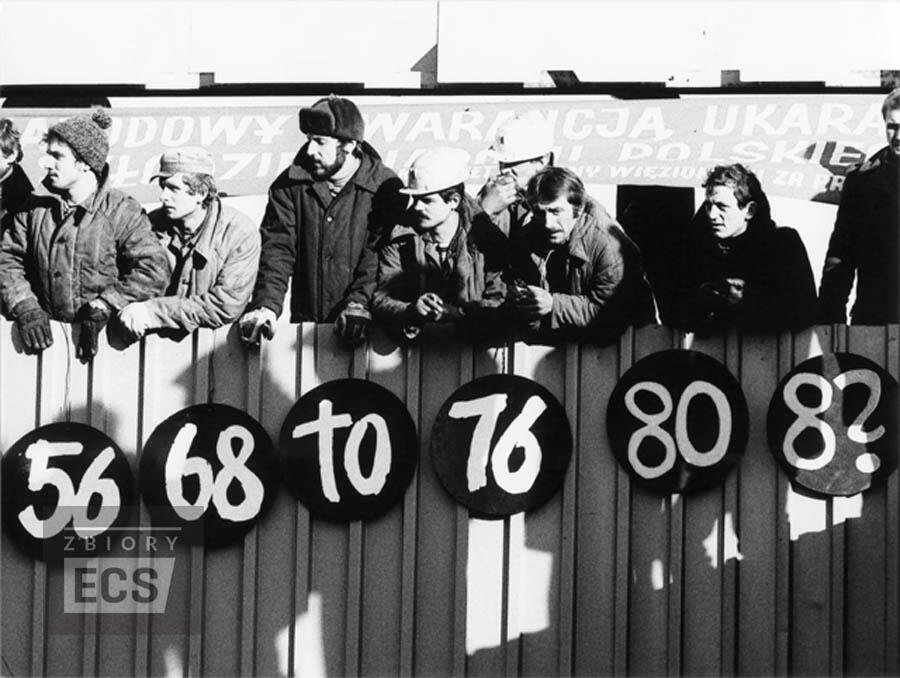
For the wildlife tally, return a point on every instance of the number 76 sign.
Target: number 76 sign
(501, 445)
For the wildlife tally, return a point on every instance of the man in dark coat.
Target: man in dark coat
(865, 239)
(15, 187)
(574, 273)
(431, 269)
(322, 223)
(737, 269)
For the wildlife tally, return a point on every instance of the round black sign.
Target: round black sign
(677, 420)
(349, 450)
(501, 445)
(832, 424)
(210, 470)
(65, 486)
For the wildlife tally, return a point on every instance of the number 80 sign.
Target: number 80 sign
(677, 420)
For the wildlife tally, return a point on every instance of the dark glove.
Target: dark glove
(93, 318)
(708, 302)
(352, 323)
(33, 324)
(256, 323)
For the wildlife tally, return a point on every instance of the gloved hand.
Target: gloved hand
(93, 317)
(135, 320)
(733, 290)
(352, 323)
(33, 324)
(259, 321)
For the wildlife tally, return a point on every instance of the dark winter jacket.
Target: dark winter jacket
(778, 287)
(327, 245)
(864, 244)
(597, 278)
(103, 248)
(14, 192)
(409, 266)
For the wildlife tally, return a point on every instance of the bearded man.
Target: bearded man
(322, 224)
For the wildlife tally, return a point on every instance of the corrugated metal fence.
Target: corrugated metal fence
(607, 578)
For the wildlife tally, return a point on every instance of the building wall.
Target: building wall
(398, 44)
(748, 577)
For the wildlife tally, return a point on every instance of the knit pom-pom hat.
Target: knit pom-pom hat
(86, 135)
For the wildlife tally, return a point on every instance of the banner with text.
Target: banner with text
(801, 146)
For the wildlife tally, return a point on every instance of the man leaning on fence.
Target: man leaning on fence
(84, 252)
(574, 274)
(865, 239)
(431, 269)
(213, 250)
(323, 220)
(736, 268)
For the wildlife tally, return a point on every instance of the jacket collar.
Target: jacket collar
(92, 204)
(365, 177)
(204, 244)
(575, 247)
(883, 158)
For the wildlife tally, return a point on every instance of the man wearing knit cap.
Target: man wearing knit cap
(83, 252)
(213, 250)
(322, 222)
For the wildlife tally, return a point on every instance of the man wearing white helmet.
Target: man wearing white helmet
(523, 147)
(431, 269)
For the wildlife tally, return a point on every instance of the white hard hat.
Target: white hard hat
(437, 169)
(522, 138)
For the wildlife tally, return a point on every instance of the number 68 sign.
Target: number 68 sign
(677, 420)
(209, 470)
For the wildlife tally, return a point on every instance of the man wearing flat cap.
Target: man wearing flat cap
(82, 253)
(323, 220)
(431, 270)
(212, 248)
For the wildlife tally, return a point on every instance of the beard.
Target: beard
(321, 171)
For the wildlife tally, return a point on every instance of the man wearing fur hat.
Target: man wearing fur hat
(322, 223)
(431, 269)
(213, 250)
(82, 253)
